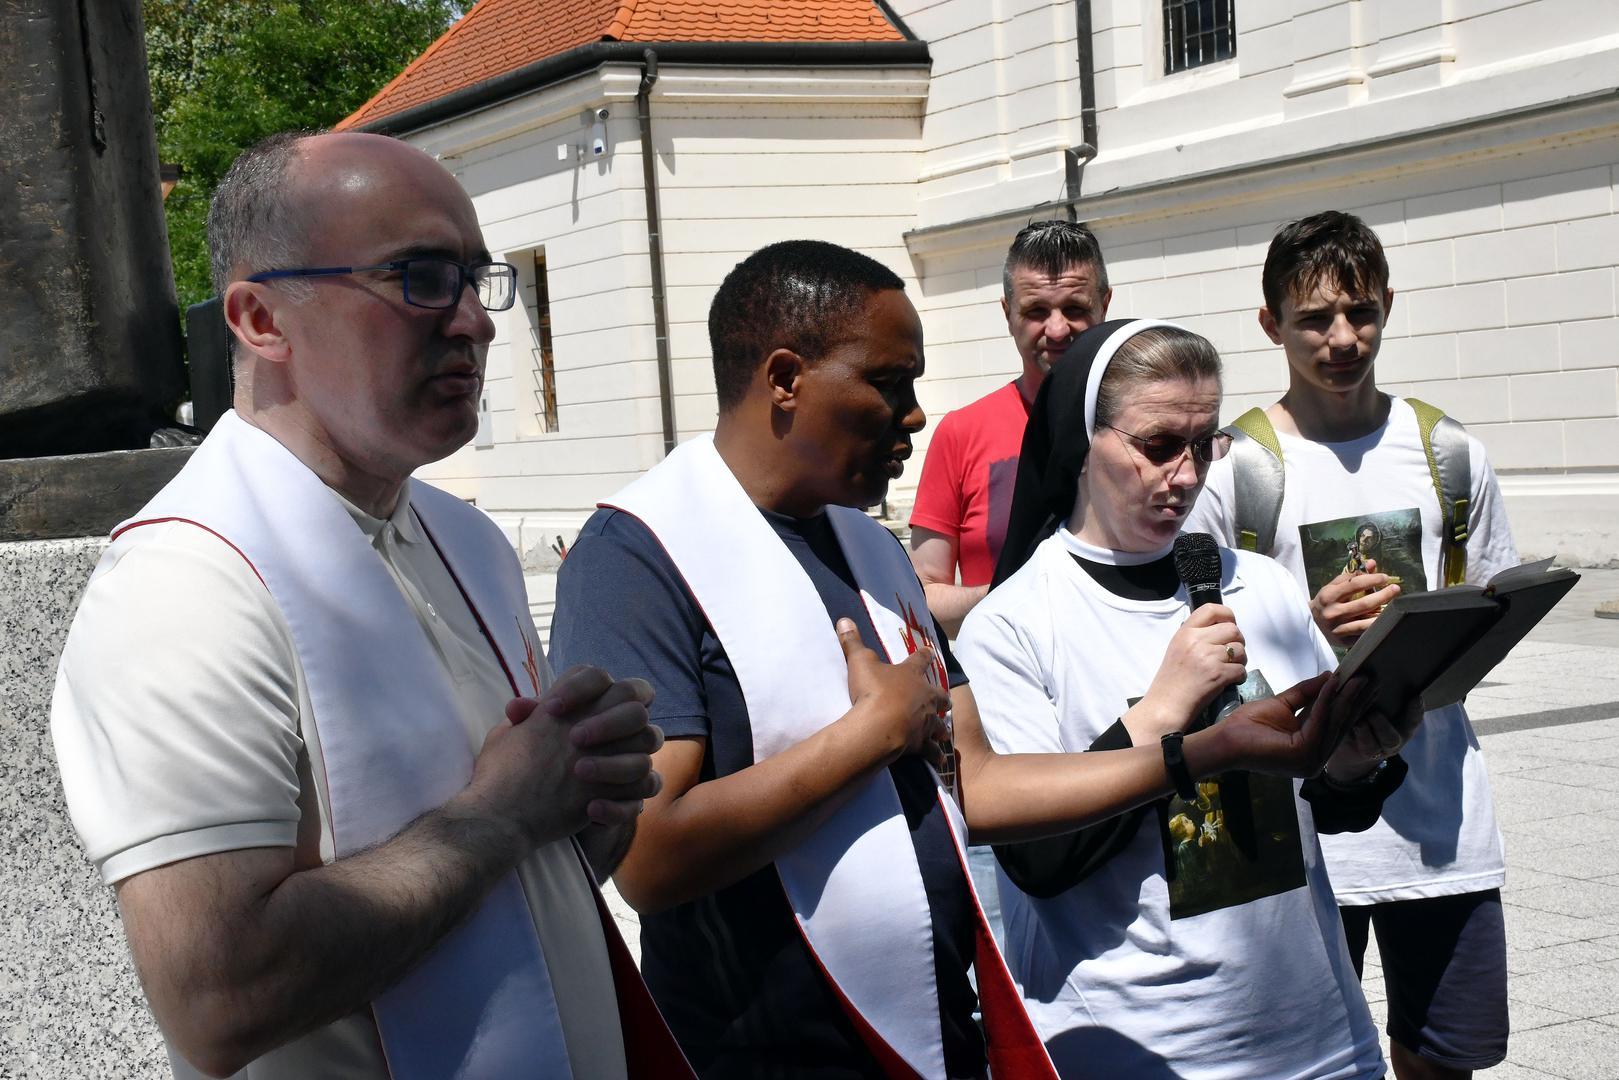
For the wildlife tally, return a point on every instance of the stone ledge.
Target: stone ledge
(48, 498)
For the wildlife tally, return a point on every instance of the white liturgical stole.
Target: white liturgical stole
(481, 1003)
(855, 886)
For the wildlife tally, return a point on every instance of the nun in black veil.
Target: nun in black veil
(1196, 936)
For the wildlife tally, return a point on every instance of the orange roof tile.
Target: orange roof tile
(501, 36)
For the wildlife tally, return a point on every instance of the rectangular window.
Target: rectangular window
(1198, 32)
(533, 361)
(545, 359)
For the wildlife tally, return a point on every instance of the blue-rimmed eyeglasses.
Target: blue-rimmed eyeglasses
(1163, 448)
(428, 281)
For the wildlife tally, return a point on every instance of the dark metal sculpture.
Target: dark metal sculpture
(90, 346)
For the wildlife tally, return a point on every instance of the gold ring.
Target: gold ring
(1231, 653)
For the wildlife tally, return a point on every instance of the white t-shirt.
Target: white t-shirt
(1437, 835)
(1235, 969)
(179, 727)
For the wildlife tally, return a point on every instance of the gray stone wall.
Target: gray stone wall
(70, 1006)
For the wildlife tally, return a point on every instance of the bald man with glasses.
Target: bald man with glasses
(304, 724)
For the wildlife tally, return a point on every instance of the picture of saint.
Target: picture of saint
(1391, 540)
(1237, 841)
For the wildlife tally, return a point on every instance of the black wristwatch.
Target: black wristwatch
(1175, 764)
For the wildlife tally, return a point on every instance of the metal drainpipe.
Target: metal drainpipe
(1086, 150)
(654, 238)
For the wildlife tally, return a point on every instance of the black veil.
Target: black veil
(1058, 438)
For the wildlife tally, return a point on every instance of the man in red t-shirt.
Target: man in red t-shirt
(1054, 286)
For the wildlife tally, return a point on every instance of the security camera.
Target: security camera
(598, 137)
(602, 113)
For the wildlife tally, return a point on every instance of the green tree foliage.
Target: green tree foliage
(226, 73)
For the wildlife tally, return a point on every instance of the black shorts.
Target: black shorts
(1445, 972)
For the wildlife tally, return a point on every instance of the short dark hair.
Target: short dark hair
(798, 295)
(1331, 246)
(252, 218)
(1050, 248)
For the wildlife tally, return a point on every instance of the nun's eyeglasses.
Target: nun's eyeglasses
(1163, 448)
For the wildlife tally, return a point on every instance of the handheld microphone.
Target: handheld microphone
(1197, 564)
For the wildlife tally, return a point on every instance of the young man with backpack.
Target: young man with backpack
(1364, 495)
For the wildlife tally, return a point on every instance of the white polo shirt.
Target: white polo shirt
(179, 721)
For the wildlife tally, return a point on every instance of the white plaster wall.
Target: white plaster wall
(736, 176)
(1003, 106)
(744, 159)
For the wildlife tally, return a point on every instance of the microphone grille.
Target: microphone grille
(1197, 560)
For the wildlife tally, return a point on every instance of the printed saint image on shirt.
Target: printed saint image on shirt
(1237, 841)
(1392, 538)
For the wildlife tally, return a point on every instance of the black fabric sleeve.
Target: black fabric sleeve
(952, 666)
(622, 606)
(1355, 809)
(1049, 867)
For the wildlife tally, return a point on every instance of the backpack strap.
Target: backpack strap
(1256, 474)
(1444, 443)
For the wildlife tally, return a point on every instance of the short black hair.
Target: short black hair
(1050, 248)
(1331, 246)
(798, 295)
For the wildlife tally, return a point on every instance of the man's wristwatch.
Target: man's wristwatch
(1175, 765)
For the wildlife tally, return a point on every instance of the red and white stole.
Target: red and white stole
(481, 1003)
(854, 885)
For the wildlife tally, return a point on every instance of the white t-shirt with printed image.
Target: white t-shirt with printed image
(1129, 973)
(1437, 835)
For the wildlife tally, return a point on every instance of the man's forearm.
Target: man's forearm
(950, 603)
(314, 945)
(720, 831)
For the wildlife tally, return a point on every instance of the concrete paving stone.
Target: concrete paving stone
(1580, 661)
(1577, 1050)
(1581, 667)
(1531, 807)
(1602, 751)
(1593, 731)
(1553, 752)
(1521, 878)
(1565, 830)
(1489, 708)
(1556, 957)
(1511, 762)
(1583, 862)
(1526, 1016)
(1577, 773)
(1503, 751)
(1581, 899)
(1582, 992)
(1531, 928)
(1510, 1070)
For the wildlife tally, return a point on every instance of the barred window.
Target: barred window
(1198, 32)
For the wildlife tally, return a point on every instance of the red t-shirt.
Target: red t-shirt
(967, 479)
